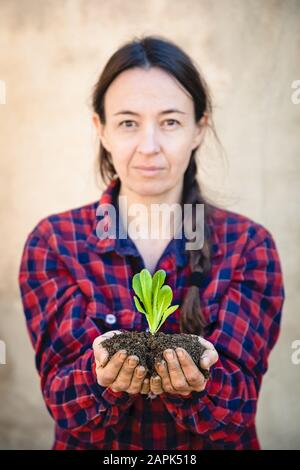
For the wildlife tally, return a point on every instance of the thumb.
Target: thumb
(101, 353)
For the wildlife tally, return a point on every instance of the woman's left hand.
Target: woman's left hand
(179, 374)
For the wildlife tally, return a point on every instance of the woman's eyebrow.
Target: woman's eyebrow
(166, 111)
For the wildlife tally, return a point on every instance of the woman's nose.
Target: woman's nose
(149, 142)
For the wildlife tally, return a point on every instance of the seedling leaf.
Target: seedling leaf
(153, 298)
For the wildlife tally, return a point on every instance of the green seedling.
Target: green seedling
(153, 298)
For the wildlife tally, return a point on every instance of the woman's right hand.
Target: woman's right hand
(120, 373)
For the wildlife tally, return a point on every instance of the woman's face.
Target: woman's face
(150, 123)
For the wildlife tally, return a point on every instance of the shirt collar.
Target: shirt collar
(126, 246)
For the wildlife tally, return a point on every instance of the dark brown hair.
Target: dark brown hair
(155, 51)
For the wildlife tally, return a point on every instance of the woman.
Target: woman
(151, 111)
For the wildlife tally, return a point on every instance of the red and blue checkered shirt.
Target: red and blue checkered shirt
(75, 286)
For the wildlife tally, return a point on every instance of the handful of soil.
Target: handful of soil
(153, 299)
(149, 348)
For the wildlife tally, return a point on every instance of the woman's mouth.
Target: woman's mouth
(149, 171)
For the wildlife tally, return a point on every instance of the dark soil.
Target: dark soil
(149, 348)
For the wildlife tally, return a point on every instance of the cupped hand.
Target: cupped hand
(120, 373)
(178, 374)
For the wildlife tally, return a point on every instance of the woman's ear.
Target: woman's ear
(200, 129)
(100, 130)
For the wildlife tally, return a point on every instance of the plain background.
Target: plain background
(51, 53)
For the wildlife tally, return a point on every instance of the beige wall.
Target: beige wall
(51, 53)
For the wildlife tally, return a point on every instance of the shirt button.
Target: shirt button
(110, 319)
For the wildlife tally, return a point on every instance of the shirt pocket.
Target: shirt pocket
(108, 319)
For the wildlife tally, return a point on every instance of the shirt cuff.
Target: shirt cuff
(178, 399)
(118, 398)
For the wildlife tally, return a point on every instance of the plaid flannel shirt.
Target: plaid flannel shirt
(75, 286)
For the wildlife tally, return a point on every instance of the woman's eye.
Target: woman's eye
(126, 122)
(174, 121)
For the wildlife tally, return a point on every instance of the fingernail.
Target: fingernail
(180, 352)
(205, 361)
(140, 371)
(169, 354)
(132, 361)
(161, 364)
(122, 354)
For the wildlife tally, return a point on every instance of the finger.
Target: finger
(137, 380)
(207, 344)
(208, 358)
(103, 358)
(210, 355)
(162, 370)
(109, 334)
(101, 353)
(145, 387)
(156, 385)
(110, 371)
(192, 374)
(123, 380)
(176, 374)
